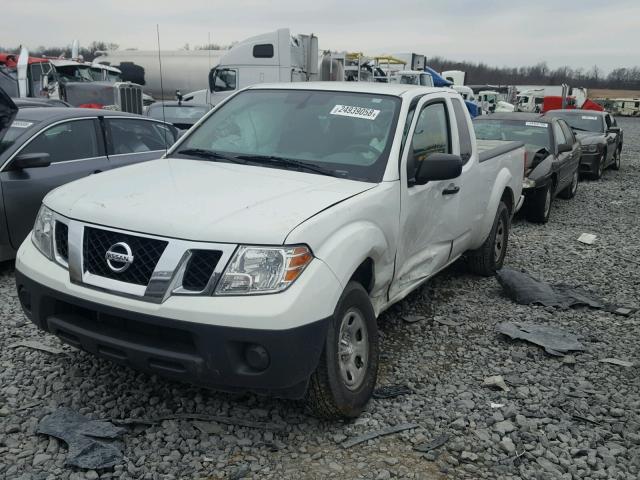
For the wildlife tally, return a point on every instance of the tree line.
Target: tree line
(540, 74)
(625, 78)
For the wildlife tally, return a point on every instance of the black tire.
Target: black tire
(490, 256)
(597, 175)
(538, 205)
(329, 396)
(570, 191)
(616, 160)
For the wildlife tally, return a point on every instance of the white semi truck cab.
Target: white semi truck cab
(274, 57)
(259, 251)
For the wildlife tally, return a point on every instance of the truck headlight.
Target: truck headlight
(42, 235)
(591, 148)
(255, 270)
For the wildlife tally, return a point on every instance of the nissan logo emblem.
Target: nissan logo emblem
(119, 257)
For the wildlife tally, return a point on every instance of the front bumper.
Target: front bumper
(267, 344)
(589, 162)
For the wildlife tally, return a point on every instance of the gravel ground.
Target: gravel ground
(573, 418)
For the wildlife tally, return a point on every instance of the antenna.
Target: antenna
(164, 118)
(209, 48)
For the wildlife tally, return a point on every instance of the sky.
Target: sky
(578, 33)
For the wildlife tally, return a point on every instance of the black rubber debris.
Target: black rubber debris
(432, 444)
(554, 340)
(391, 391)
(92, 444)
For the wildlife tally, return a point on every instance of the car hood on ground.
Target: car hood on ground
(202, 200)
(8, 111)
(587, 138)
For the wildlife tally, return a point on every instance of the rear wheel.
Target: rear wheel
(538, 205)
(345, 377)
(490, 256)
(570, 191)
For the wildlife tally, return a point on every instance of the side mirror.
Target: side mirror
(439, 166)
(31, 160)
(564, 147)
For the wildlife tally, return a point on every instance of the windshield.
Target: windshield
(17, 129)
(581, 121)
(177, 113)
(346, 133)
(535, 134)
(75, 73)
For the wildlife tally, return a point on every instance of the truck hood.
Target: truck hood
(202, 200)
(8, 111)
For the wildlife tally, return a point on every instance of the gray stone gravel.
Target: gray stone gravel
(572, 418)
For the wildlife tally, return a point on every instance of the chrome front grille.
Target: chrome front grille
(157, 267)
(129, 97)
(146, 254)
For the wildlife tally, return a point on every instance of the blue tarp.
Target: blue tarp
(474, 110)
(438, 81)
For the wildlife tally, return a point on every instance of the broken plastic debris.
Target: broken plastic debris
(378, 433)
(497, 405)
(391, 391)
(587, 238)
(432, 444)
(554, 340)
(447, 322)
(616, 361)
(412, 318)
(496, 381)
(524, 289)
(36, 345)
(92, 443)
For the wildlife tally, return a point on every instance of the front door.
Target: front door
(428, 212)
(75, 150)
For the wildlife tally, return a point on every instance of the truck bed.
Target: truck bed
(488, 149)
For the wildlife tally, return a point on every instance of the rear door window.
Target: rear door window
(71, 140)
(132, 135)
(464, 137)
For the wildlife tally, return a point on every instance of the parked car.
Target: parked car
(183, 115)
(553, 156)
(258, 254)
(600, 136)
(43, 148)
(39, 102)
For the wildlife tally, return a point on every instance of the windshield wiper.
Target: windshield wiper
(210, 155)
(289, 162)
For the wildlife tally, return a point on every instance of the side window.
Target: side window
(567, 132)
(70, 140)
(559, 134)
(225, 80)
(463, 130)
(264, 50)
(607, 120)
(430, 136)
(130, 135)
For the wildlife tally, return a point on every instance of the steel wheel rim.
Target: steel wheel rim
(499, 242)
(547, 202)
(353, 349)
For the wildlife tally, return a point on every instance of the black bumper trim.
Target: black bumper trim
(205, 355)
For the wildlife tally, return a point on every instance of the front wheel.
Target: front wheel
(345, 377)
(599, 170)
(570, 191)
(616, 160)
(538, 205)
(490, 256)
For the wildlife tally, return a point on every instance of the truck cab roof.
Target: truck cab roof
(379, 88)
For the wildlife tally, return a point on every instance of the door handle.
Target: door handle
(451, 190)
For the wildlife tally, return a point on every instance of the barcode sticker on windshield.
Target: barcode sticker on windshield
(536, 124)
(21, 124)
(589, 118)
(355, 112)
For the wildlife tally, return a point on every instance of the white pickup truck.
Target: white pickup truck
(259, 251)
